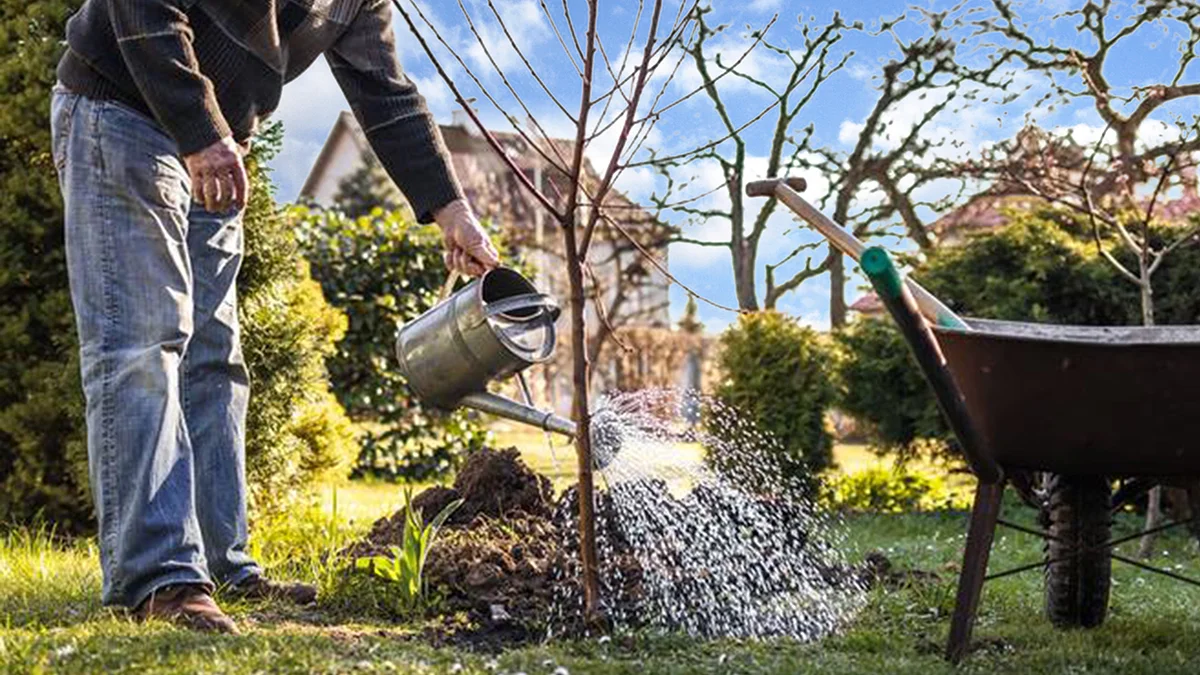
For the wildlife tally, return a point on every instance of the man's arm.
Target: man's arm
(155, 39)
(391, 112)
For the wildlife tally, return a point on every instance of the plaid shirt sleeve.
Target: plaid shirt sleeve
(391, 111)
(155, 40)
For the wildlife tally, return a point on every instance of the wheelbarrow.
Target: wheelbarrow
(1059, 413)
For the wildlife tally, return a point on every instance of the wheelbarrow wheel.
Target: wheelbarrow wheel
(1078, 570)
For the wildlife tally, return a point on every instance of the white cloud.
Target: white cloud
(311, 103)
(849, 132)
(526, 25)
(764, 5)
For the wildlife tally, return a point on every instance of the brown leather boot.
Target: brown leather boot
(261, 588)
(188, 605)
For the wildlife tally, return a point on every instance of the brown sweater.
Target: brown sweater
(208, 69)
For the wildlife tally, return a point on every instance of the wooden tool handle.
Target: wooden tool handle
(766, 188)
(843, 240)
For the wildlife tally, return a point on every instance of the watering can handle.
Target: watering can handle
(540, 301)
(548, 312)
(449, 287)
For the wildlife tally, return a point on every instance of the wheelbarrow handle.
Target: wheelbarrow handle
(785, 190)
(898, 299)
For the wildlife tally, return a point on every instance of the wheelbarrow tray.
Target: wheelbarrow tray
(1114, 401)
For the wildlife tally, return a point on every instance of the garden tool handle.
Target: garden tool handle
(785, 190)
(897, 297)
(545, 304)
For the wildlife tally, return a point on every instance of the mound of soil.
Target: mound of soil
(497, 483)
(499, 556)
(492, 483)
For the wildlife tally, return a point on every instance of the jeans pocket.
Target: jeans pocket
(62, 110)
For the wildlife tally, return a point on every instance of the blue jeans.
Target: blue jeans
(153, 281)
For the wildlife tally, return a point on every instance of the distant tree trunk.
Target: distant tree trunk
(837, 290)
(744, 259)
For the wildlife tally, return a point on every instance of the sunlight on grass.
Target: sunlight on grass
(50, 618)
(45, 581)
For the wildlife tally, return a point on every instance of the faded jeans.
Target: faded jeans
(153, 281)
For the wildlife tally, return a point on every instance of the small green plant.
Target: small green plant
(405, 568)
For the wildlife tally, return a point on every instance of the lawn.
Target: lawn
(51, 621)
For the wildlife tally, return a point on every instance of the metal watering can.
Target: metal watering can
(496, 326)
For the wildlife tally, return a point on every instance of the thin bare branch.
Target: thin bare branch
(466, 106)
(528, 66)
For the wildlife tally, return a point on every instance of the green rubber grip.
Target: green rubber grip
(878, 266)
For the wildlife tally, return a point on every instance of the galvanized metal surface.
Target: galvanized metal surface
(493, 327)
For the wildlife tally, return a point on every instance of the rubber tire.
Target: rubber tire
(1078, 514)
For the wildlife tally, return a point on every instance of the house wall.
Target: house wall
(344, 158)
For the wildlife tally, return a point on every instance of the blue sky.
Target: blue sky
(311, 104)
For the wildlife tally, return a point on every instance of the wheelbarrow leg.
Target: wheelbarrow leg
(974, 567)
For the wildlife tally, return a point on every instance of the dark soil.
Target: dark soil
(877, 570)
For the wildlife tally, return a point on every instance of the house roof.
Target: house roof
(474, 155)
(345, 124)
(869, 304)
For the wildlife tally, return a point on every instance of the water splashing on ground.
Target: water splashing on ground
(735, 551)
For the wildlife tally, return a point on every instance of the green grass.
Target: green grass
(51, 620)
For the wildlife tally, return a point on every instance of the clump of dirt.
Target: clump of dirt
(497, 483)
(878, 570)
(499, 558)
(492, 484)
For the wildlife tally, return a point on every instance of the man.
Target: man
(156, 103)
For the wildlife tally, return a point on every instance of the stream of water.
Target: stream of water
(700, 529)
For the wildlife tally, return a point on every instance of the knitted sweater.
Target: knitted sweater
(210, 69)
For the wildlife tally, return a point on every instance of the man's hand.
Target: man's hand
(468, 248)
(218, 176)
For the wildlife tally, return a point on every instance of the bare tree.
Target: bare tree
(896, 162)
(900, 162)
(616, 96)
(1111, 191)
(806, 70)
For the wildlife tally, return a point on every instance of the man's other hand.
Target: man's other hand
(469, 250)
(218, 176)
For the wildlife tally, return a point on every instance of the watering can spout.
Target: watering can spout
(518, 412)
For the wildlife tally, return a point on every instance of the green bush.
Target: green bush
(777, 373)
(42, 451)
(295, 432)
(383, 269)
(883, 490)
(1043, 267)
(879, 385)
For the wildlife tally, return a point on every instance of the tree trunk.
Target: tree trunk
(1154, 511)
(837, 290)
(581, 414)
(743, 276)
(1154, 517)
